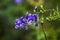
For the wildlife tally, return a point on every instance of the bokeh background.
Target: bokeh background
(11, 10)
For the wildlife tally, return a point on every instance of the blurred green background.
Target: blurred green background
(9, 11)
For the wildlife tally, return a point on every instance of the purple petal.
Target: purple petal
(30, 22)
(17, 22)
(23, 20)
(27, 15)
(22, 25)
(18, 1)
(35, 17)
(36, 9)
(16, 26)
(26, 28)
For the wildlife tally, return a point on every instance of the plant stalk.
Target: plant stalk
(44, 31)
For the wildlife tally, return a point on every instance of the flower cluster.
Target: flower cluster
(29, 19)
(20, 23)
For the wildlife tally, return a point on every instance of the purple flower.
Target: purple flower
(27, 15)
(22, 25)
(32, 17)
(28, 19)
(23, 20)
(35, 17)
(30, 22)
(16, 26)
(36, 9)
(18, 1)
(17, 22)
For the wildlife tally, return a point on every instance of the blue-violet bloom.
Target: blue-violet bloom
(36, 9)
(18, 1)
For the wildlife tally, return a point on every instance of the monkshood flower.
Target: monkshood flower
(35, 17)
(18, 1)
(35, 9)
(17, 23)
(23, 20)
(21, 23)
(32, 18)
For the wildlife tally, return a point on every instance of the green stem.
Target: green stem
(38, 33)
(44, 31)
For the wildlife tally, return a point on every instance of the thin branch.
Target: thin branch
(44, 31)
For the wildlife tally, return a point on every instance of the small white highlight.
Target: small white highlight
(35, 7)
